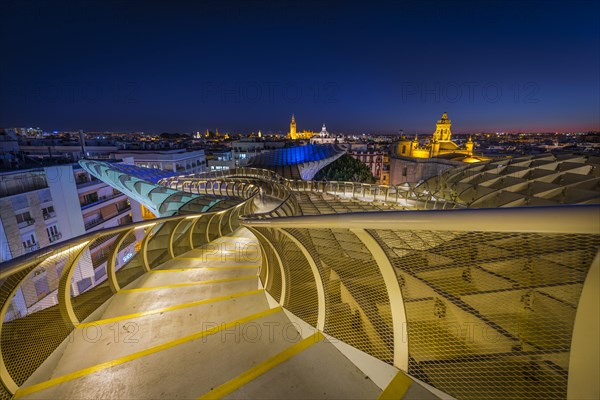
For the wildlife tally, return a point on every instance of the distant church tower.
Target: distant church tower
(442, 129)
(292, 134)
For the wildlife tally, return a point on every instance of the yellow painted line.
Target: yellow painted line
(233, 237)
(397, 387)
(262, 368)
(167, 309)
(228, 257)
(205, 258)
(204, 268)
(176, 285)
(134, 356)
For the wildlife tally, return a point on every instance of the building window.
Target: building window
(48, 212)
(53, 233)
(29, 242)
(81, 178)
(89, 198)
(41, 286)
(45, 196)
(404, 171)
(20, 202)
(84, 284)
(403, 149)
(24, 218)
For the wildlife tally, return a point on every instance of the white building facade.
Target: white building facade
(39, 207)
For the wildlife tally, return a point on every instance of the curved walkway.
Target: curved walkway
(200, 325)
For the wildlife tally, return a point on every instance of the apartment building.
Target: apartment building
(179, 160)
(39, 207)
(376, 158)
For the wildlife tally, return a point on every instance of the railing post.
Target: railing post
(283, 294)
(399, 324)
(144, 249)
(220, 214)
(584, 358)
(172, 236)
(64, 285)
(207, 232)
(191, 234)
(111, 273)
(236, 211)
(5, 376)
(317, 276)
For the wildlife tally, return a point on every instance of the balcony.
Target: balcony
(93, 222)
(126, 220)
(99, 220)
(100, 200)
(26, 223)
(100, 258)
(48, 215)
(54, 238)
(88, 183)
(31, 248)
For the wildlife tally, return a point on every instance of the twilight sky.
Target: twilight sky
(182, 66)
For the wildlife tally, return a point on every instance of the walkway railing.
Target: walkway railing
(28, 336)
(405, 195)
(477, 303)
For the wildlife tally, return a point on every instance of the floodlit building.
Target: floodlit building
(441, 144)
(294, 134)
(324, 137)
(412, 161)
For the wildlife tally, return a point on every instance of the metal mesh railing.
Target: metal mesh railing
(476, 313)
(487, 308)
(356, 300)
(46, 294)
(476, 303)
(288, 190)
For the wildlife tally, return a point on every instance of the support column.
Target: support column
(396, 300)
(283, 295)
(584, 357)
(172, 236)
(5, 376)
(191, 234)
(111, 273)
(208, 227)
(64, 284)
(319, 282)
(144, 249)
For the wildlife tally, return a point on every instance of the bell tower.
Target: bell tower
(292, 134)
(442, 129)
(469, 146)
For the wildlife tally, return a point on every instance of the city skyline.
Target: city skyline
(300, 199)
(243, 67)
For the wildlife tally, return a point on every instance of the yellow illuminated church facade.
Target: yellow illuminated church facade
(294, 134)
(440, 145)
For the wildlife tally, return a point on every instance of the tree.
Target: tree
(346, 169)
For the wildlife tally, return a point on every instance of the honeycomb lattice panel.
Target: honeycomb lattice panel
(490, 314)
(357, 309)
